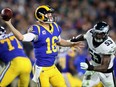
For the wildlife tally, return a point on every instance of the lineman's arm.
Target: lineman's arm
(18, 35)
(104, 64)
(101, 68)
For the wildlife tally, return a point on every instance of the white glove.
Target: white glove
(84, 65)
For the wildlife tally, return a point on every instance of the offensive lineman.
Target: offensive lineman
(16, 62)
(102, 50)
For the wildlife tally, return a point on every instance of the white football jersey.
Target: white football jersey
(107, 47)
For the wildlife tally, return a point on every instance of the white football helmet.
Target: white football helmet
(100, 31)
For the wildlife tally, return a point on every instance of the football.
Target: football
(6, 14)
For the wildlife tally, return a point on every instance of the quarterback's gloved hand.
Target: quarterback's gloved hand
(86, 65)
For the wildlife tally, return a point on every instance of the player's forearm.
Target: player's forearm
(101, 68)
(17, 34)
(65, 43)
(104, 64)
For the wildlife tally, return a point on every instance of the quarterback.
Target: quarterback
(17, 63)
(102, 49)
(45, 36)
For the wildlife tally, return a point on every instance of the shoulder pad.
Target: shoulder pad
(108, 47)
(89, 32)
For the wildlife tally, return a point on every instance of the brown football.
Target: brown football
(6, 14)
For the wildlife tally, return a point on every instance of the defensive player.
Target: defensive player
(45, 35)
(17, 63)
(102, 49)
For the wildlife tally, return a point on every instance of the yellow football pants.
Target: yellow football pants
(19, 66)
(51, 75)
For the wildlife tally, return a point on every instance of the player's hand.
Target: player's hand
(86, 65)
(8, 22)
(78, 45)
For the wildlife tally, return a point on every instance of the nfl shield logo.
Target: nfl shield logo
(44, 32)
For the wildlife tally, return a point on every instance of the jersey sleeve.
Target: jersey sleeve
(87, 33)
(35, 29)
(58, 28)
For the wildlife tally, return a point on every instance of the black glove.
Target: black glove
(90, 67)
(78, 38)
(74, 39)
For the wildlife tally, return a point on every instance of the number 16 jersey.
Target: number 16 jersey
(45, 48)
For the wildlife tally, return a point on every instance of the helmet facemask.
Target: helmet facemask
(100, 37)
(49, 18)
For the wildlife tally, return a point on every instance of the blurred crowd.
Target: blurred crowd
(74, 16)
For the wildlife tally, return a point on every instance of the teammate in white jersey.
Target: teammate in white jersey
(102, 49)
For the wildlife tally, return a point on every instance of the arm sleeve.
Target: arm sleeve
(78, 38)
(29, 37)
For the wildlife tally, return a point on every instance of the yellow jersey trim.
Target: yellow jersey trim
(46, 28)
(38, 27)
(56, 25)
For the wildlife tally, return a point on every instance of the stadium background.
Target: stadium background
(74, 16)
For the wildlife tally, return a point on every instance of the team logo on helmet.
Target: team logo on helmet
(44, 14)
(100, 31)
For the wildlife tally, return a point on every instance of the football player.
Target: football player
(17, 63)
(102, 50)
(45, 35)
